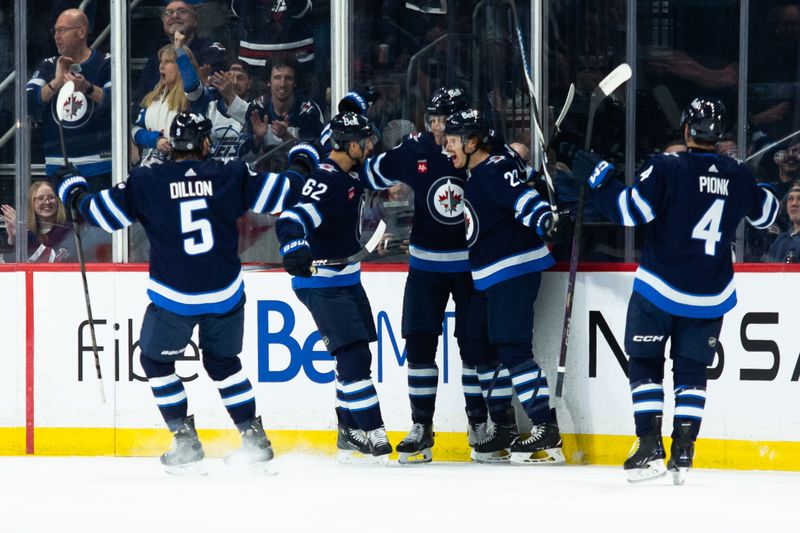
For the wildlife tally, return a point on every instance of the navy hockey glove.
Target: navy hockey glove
(297, 258)
(591, 167)
(304, 158)
(358, 100)
(70, 185)
(551, 230)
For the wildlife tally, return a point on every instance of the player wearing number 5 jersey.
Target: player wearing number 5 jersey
(189, 207)
(692, 203)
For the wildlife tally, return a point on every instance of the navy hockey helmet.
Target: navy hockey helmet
(358, 100)
(188, 131)
(468, 123)
(346, 127)
(447, 101)
(705, 118)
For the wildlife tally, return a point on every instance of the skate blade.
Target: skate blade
(500, 456)
(350, 457)
(679, 475)
(552, 456)
(188, 469)
(652, 470)
(415, 458)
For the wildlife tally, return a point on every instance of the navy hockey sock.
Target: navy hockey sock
(530, 384)
(690, 403)
(473, 397)
(422, 382)
(648, 400)
(234, 387)
(500, 400)
(360, 399)
(167, 390)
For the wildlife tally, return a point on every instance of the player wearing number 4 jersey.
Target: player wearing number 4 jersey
(189, 207)
(692, 203)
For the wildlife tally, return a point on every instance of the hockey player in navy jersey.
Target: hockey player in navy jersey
(438, 269)
(325, 224)
(692, 203)
(506, 222)
(189, 207)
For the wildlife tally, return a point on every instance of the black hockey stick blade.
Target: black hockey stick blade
(64, 104)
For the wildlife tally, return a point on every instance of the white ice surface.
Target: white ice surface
(111, 495)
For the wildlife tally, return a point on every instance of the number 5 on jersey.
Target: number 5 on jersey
(189, 224)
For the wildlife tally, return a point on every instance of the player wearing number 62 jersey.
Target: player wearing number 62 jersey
(189, 207)
(692, 203)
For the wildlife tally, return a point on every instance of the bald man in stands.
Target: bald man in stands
(87, 122)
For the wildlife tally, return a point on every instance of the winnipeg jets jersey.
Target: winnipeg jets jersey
(189, 210)
(692, 203)
(501, 214)
(87, 125)
(329, 216)
(438, 242)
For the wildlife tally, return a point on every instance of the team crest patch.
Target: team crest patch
(327, 167)
(77, 110)
(351, 193)
(496, 159)
(422, 166)
(446, 200)
(306, 107)
(470, 223)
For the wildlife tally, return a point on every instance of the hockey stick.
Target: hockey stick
(526, 70)
(271, 151)
(771, 146)
(360, 255)
(557, 128)
(609, 84)
(63, 103)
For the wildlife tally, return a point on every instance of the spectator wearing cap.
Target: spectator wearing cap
(786, 248)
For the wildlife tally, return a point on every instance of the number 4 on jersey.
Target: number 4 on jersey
(707, 228)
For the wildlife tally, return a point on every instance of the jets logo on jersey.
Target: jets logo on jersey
(446, 200)
(471, 224)
(422, 166)
(415, 135)
(351, 193)
(76, 112)
(327, 167)
(306, 107)
(496, 159)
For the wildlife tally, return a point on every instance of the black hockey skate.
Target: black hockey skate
(256, 450)
(379, 445)
(681, 454)
(543, 446)
(646, 458)
(186, 452)
(353, 446)
(494, 448)
(416, 446)
(476, 432)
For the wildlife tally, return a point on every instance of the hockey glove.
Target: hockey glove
(304, 158)
(70, 185)
(358, 100)
(297, 258)
(591, 167)
(554, 229)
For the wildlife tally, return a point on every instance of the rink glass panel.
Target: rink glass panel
(405, 54)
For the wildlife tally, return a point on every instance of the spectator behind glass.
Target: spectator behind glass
(50, 235)
(88, 125)
(223, 103)
(159, 107)
(270, 27)
(181, 17)
(788, 162)
(786, 248)
(280, 116)
(727, 146)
